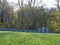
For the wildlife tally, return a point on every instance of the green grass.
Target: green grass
(24, 38)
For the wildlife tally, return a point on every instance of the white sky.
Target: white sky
(49, 3)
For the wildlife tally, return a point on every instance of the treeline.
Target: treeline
(29, 16)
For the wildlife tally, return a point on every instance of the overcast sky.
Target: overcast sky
(49, 3)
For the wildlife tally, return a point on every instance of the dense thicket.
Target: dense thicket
(29, 16)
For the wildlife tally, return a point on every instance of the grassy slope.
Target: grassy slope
(22, 38)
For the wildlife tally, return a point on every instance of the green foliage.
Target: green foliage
(55, 22)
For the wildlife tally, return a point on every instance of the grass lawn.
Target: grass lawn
(24, 38)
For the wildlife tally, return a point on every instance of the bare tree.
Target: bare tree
(19, 3)
(58, 4)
